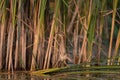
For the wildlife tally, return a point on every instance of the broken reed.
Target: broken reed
(42, 34)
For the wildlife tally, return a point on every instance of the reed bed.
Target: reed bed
(43, 34)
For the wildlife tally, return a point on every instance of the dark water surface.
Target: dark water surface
(28, 76)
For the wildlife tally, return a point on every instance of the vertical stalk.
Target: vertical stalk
(11, 33)
(100, 30)
(50, 41)
(112, 30)
(39, 33)
(116, 48)
(2, 32)
(91, 30)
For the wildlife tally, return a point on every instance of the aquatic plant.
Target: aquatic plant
(43, 34)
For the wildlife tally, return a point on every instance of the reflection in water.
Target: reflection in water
(20, 76)
(27, 76)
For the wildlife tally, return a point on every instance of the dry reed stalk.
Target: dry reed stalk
(49, 47)
(23, 48)
(39, 34)
(16, 55)
(52, 32)
(18, 35)
(41, 46)
(116, 48)
(2, 32)
(40, 56)
(2, 35)
(10, 46)
(75, 40)
(43, 23)
(36, 37)
(82, 52)
(7, 54)
(112, 30)
(87, 57)
(12, 22)
(74, 16)
(35, 46)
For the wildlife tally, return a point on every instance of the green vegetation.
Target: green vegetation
(78, 70)
(43, 34)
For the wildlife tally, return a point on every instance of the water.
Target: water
(27, 76)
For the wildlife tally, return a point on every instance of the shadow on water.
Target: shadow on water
(27, 76)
